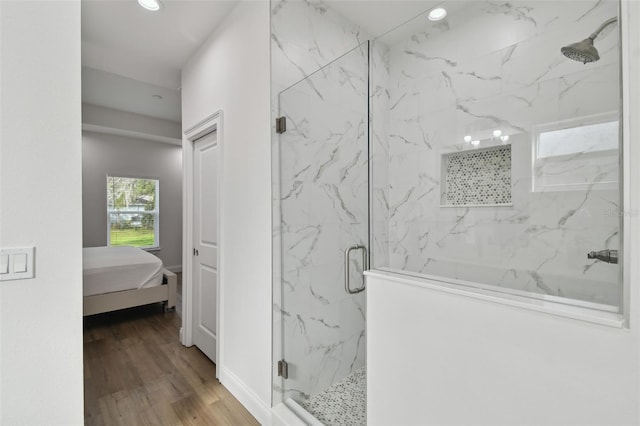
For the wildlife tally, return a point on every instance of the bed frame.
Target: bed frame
(108, 302)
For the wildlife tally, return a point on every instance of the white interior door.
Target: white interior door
(205, 240)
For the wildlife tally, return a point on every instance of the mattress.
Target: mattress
(111, 269)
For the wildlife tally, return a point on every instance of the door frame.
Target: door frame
(212, 123)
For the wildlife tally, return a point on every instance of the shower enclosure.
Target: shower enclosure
(468, 152)
(324, 202)
(503, 154)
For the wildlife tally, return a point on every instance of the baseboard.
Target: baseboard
(248, 398)
(174, 268)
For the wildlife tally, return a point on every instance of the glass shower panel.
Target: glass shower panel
(502, 154)
(324, 198)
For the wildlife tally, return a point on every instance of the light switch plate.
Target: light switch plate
(18, 259)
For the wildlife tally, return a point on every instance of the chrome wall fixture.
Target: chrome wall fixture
(608, 256)
(584, 51)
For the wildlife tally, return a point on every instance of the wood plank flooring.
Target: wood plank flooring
(136, 372)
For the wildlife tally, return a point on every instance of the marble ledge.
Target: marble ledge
(580, 313)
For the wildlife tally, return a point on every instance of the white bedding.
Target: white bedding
(110, 269)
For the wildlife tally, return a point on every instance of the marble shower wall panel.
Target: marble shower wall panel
(497, 65)
(306, 36)
(379, 152)
(323, 190)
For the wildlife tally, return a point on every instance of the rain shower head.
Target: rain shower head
(584, 51)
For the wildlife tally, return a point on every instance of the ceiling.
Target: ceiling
(132, 57)
(127, 94)
(130, 54)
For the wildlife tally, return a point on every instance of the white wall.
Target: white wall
(103, 155)
(436, 358)
(40, 154)
(459, 360)
(230, 72)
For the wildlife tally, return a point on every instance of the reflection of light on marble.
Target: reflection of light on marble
(504, 138)
(437, 14)
(497, 133)
(467, 138)
(475, 143)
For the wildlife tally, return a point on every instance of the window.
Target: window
(132, 211)
(577, 155)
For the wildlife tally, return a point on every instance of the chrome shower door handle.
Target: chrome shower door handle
(347, 254)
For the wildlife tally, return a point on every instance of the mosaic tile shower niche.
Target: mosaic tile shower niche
(477, 177)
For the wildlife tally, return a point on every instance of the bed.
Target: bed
(123, 277)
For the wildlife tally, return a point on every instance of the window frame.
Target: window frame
(155, 211)
(537, 162)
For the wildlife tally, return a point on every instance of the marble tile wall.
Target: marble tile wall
(379, 152)
(497, 65)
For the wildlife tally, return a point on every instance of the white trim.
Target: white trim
(499, 289)
(210, 124)
(246, 396)
(574, 312)
(628, 14)
(206, 125)
(538, 162)
(129, 133)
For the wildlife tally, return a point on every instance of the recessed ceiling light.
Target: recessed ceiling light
(467, 138)
(497, 133)
(152, 5)
(436, 14)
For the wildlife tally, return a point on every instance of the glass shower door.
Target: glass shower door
(324, 199)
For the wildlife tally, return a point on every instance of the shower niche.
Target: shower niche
(477, 177)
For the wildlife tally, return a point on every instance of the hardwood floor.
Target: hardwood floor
(136, 372)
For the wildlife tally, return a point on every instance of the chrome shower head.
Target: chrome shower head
(584, 51)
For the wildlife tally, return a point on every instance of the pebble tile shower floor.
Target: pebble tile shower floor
(343, 403)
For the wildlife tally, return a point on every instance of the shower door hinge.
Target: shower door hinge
(283, 369)
(281, 124)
